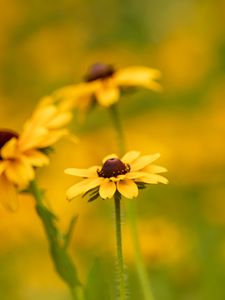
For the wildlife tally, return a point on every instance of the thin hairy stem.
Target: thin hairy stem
(121, 270)
(63, 263)
(131, 215)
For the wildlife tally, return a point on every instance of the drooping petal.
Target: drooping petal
(138, 76)
(127, 188)
(107, 189)
(91, 172)
(107, 93)
(20, 172)
(8, 194)
(109, 157)
(154, 169)
(130, 157)
(153, 179)
(143, 161)
(82, 187)
(36, 158)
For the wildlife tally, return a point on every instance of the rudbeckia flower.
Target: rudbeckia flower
(125, 176)
(104, 84)
(21, 153)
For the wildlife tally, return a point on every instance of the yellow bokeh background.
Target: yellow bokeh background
(47, 44)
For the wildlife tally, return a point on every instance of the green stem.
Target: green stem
(131, 216)
(121, 270)
(141, 270)
(62, 261)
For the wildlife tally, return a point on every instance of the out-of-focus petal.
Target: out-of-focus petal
(8, 194)
(138, 76)
(36, 158)
(107, 93)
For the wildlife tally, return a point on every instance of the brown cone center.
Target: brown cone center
(99, 71)
(113, 167)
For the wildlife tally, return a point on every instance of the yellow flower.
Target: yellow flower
(21, 154)
(125, 175)
(104, 84)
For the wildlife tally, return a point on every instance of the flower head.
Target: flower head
(125, 176)
(21, 153)
(103, 83)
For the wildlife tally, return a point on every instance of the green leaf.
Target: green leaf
(96, 287)
(67, 237)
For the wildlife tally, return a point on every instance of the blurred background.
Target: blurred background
(47, 44)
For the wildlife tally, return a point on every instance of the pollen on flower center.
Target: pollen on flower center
(99, 71)
(112, 168)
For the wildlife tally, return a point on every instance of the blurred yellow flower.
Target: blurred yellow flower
(125, 176)
(104, 84)
(20, 154)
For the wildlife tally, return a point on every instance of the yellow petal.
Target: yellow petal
(8, 194)
(153, 179)
(36, 158)
(82, 187)
(43, 115)
(127, 188)
(91, 172)
(107, 189)
(32, 138)
(134, 175)
(52, 137)
(46, 101)
(109, 157)
(154, 169)
(77, 90)
(138, 76)
(143, 161)
(60, 120)
(2, 166)
(107, 93)
(20, 172)
(130, 156)
(9, 150)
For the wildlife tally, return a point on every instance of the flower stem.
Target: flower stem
(63, 263)
(141, 270)
(120, 262)
(131, 215)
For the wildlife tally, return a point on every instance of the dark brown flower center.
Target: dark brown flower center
(112, 168)
(99, 71)
(5, 136)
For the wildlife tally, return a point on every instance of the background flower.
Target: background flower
(104, 84)
(20, 154)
